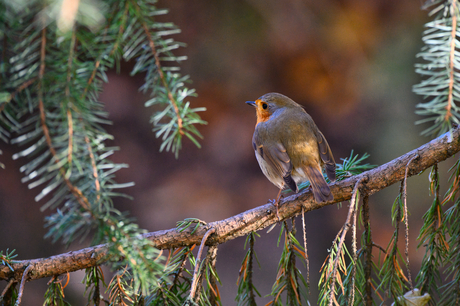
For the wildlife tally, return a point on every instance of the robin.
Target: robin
(290, 148)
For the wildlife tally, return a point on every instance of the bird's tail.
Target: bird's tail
(321, 190)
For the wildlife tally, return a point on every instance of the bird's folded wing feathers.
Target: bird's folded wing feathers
(326, 155)
(275, 156)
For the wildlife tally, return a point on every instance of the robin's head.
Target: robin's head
(269, 103)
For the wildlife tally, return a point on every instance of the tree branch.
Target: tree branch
(255, 219)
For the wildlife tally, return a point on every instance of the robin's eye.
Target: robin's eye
(264, 105)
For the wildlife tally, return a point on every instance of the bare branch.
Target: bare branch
(255, 219)
(406, 222)
(368, 250)
(307, 260)
(198, 263)
(21, 288)
(6, 289)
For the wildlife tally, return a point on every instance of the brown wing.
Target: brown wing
(326, 155)
(277, 159)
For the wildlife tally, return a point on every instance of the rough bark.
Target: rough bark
(255, 219)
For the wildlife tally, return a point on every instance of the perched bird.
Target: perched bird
(290, 148)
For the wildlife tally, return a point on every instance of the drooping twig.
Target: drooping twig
(344, 230)
(6, 289)
(368, 250)
(198, 262)
(255, 219)
(307, 261)
(406, 222)
(21, 287)
(252, 296)
(354, 249)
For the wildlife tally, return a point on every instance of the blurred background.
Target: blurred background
(349, 62)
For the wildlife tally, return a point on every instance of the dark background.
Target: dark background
(350, 63)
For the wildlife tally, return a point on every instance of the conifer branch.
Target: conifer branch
(255, 219)
(82, 200)
(453, 40)
(18, 90)
(114, 48)
(160, 70)
(343, 232)
(368, 250)
(439, 70)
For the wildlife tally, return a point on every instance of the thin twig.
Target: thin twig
(70, 124)
(18, 90)
(307, 261)
(351, 297)
(6, 289)
(198, 262)
(21, 287)
(97, 63)
(97, 184)
(252, 296)
(51, 280)
(368, 250)
(406, 221)
(344, 231)
(375, 245)
(67, 94)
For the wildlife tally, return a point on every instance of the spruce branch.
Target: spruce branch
(153, 48)
(289, 278)
(433, 236)
(367, 235)
(336, 258)
(440, 69)
(393, 281)
(451, 293)
(212, 278)
(307, 260)
(255, 219)
(246, 290)
(54, 295)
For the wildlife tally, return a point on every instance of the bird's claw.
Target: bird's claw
(275, 203)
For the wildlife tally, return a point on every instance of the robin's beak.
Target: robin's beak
(253, 103)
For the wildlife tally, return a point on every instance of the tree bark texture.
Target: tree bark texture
(374, 180)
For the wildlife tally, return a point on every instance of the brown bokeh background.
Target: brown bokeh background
(349, 62)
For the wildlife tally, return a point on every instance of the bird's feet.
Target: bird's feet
(275, 203)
